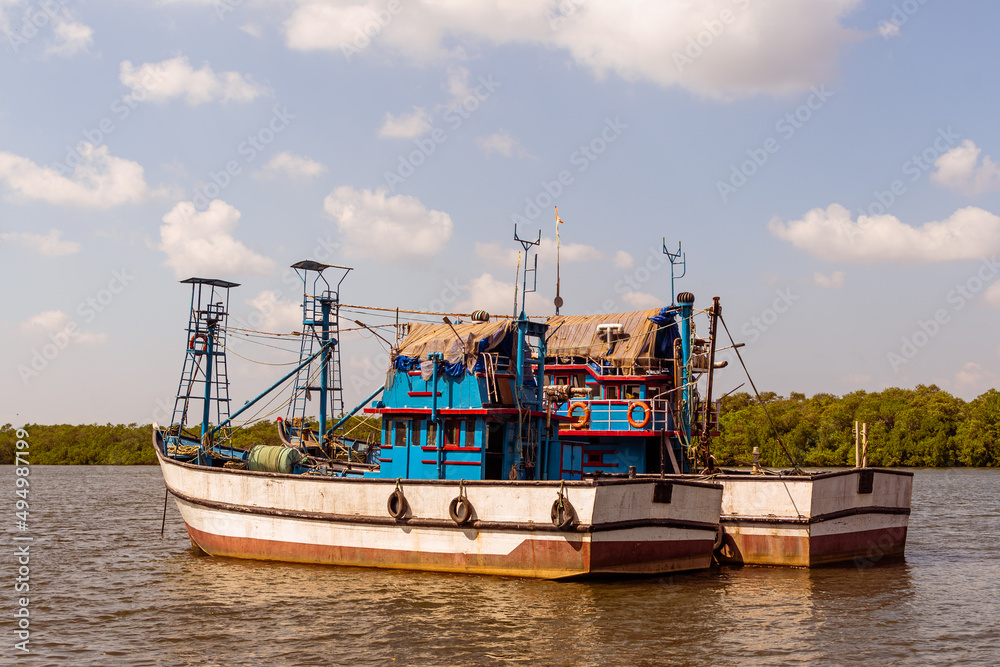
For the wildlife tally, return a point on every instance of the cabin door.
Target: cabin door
(496, 434)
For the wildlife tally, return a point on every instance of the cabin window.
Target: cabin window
(561, 381)
(432, 432)
(610, 391)
(595, 458)
(576, 380)
(399, 439)
(470, 433)
(451, 431)
(387, 434)
(631, 391)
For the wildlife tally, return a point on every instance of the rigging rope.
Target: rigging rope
(777, 436)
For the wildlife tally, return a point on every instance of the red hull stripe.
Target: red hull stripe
(532, 558)
(865, 546)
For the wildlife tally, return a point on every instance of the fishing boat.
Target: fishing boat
(636, 389)
(468, 475)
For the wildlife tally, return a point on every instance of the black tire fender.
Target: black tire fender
(397, 505)
(460, 510)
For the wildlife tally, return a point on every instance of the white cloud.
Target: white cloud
(71, 37)
(767, 46)
(291, 165)
(642, 300)
(495, 254)
(971, 380)
(202, 244)
(833, 281)
(959, 169)
(44, 322)
(503, 143)
(992, 295)
(498, 255)
(497, 297)
(274, 312)
(888, 29)
(623, 260)
(251, 29)
(49, 245)
(98, 180)
(377, 225)
(169, 79)
(830, 234)
(457, 85)
(568, 252)
(410, 125)
(57, 325)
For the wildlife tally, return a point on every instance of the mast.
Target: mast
(204, 361)
(528, 443)
(706, 435)
(320, 330)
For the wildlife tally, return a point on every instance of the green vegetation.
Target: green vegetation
(120, 444)
(922, 427)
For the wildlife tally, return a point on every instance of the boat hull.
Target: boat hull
(618, 530)
(858, 516)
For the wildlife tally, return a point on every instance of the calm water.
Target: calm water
(107, 590)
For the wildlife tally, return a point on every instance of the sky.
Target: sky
(828, 167)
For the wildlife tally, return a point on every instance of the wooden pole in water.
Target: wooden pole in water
(163, 524)
(864, 445)
(857, 447)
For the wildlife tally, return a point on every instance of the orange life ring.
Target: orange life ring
(584, 419)
(646, 414)
(194, 338)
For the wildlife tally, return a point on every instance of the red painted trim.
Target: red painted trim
(456, 463)
(600, 451)
(385, 460)
(616, 434)
(459, 411)
(600, 465)
(413, 372)
(531, 558)
(421, 393)
(453, 448)
(641, 379)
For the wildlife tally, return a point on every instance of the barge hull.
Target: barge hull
(858, 516)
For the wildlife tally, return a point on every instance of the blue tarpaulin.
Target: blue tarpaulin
(666, 333)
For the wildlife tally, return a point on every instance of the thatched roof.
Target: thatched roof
(631, 345)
